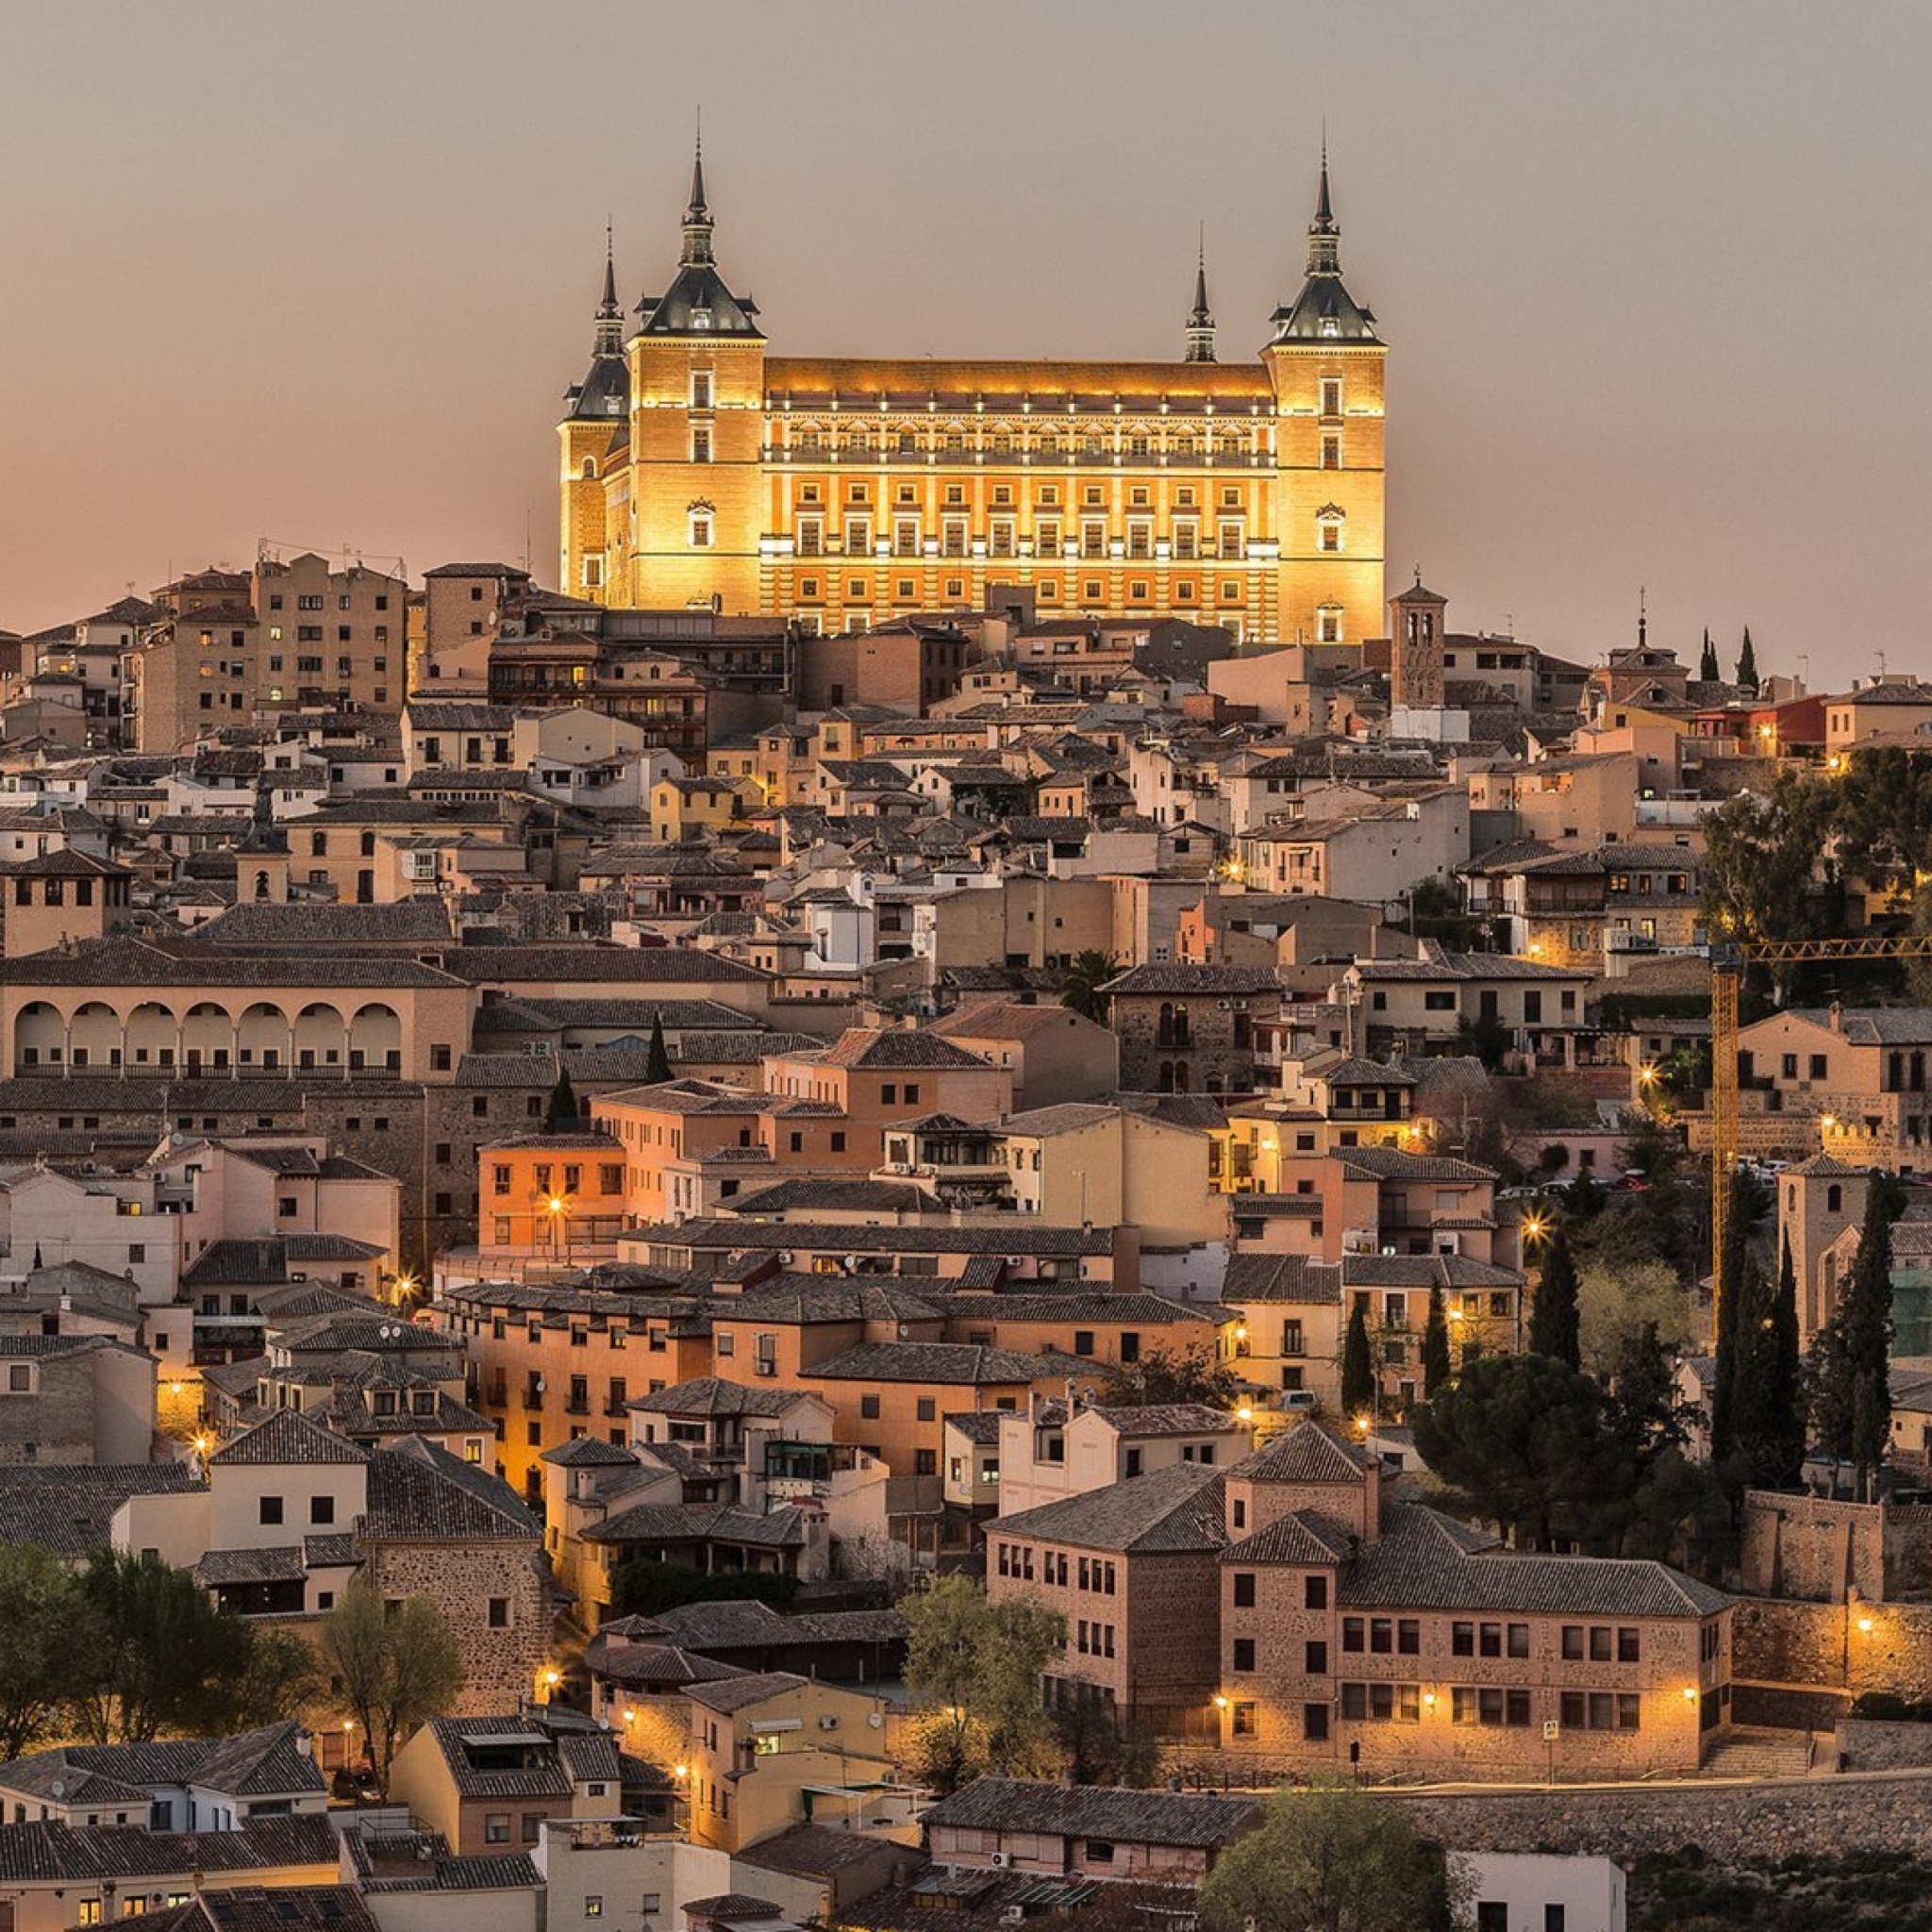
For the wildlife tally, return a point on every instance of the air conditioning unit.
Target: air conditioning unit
(828, 1723)
(1001, 1860)
(1014, 1915)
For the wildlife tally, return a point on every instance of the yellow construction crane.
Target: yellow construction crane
(1728, 964)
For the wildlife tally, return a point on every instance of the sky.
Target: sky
(319, 275)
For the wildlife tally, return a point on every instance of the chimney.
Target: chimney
(1837, 1017)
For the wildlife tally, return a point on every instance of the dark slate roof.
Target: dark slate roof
(1293, 1278)
(1164, 1512)
(1196, 981)
(710, 1395)
(287, 1438)
(656, 1663)
(1196, 1821)
(69, 1508)
(1011, 1239)
(53, 1854)
(419, 1492)
(753, 1687)
(1424, 1560)
(701, 1522)
(1306, 1454)
(955, 1364)
(595, 965)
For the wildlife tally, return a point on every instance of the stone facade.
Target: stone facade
(1823, 1550)
(502, 1664)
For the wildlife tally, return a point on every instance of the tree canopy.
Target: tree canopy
(977, 1665)
(1554, 1319)
(398, 1667)
(1162, 1374)
(1082, 988)
(1334, 1860)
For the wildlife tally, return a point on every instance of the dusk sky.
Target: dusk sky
(1654, 276)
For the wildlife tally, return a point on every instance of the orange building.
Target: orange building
(699, 470)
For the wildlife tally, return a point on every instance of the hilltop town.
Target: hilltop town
(859, 1222)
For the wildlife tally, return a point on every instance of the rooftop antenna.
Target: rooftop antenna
(1643, 619)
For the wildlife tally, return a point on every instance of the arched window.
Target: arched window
(261, 884)
(588, 472)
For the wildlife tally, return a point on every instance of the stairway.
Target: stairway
(1747, 1753)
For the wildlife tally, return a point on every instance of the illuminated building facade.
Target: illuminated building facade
(698, 469)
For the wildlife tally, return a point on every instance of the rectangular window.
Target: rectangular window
(271, 1508)
(1243, 1589)
(1243, 1657)
(1314, 1593)
(700, 444)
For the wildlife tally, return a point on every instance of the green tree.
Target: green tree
(1523, 1442)
(40, 1612)
(149, 1653)
(978, 1665)
(1864, 1318)
(279, 1677)
(1164, 1374)
(1618, 1301)
(562, 1115)
(657, 1059)
(1358, 1364)
(1747, 664)
(397, 1667)
(1086, 976)
(1554, 1319)
(1436, 1361)
(1761, 861)
(1708, 672)
(1732, 1268)
(1334, 1860)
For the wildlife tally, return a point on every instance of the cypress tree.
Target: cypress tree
(1729, 1287)
(1358, 1364)
(1783, 1464)
(562, 1116)
(657, 1062)
(1436, 1363)
(1865, 1319)
(1555, 1325)
(1747, 664)
(1708, 672)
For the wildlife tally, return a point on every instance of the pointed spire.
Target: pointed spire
(697, 173)
(1324, 236)
(609, 337)
(697, 216)
(1201, 322)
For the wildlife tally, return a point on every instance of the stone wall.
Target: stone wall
(1865, 1746)
(1744, 1824)
(501, 1666)
(1828, 1647)
(1815, 1548)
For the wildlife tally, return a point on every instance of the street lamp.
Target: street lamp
(558, 1208)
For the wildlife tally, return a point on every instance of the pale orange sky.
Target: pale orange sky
(1651, 274)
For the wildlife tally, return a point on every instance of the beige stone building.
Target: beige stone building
(1350, 1632)
(699, 469)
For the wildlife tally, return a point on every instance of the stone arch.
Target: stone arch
(261, 1037)
(376, 1038)
(153, 1035)
(39, 1037)
(320, 1037)
(208, 1038)
(94, 1035)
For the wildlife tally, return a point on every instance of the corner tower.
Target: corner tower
(694, 512)
(1325, 362)
(594, 434)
